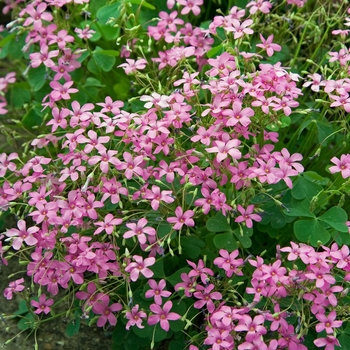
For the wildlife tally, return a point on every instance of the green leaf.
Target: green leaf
(342, 238)
(100, 61)
(225, 240)
(36, 77)
(19, 94)
(311, 231)
(245, 241)
(335, 217)
(142, 332)
(73, 327)
(118, 336)
(218, 223)
(108, 11)
(131, 342)
(163, 229)
(122, 87)
(90, 81)
(159, 334)
(305, 124)
(344, 340)
(142, 3)
(158, 269)
(215, 51)
(27, 322)
(22, 308)
(304, 188)
(192, 246)
(324, 130)
(298, 212)
(32, 118)
(7, 39)
(13, 47)
(113, 53)
(260, 198)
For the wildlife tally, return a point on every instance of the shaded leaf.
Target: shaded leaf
(335, 217)
(225, 240)
(311, 231)
(218, 223)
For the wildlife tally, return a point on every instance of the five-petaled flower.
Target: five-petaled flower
(162, 315)
(43, 305)
(181, 218)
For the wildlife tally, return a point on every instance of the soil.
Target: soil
(50, 335)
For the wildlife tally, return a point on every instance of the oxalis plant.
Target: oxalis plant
(178, 171)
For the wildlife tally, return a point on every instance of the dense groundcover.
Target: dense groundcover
(177, 172)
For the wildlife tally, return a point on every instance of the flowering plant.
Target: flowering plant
(170, 169)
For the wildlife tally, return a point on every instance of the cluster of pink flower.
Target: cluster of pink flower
(10, 78)
(341, 87)
(223, 151)
(225, 323)
(269, 328)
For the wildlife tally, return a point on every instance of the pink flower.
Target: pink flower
(105, 158)
(188, 285)
(228, 262)
(37, 15)
(22, 235)
(60, 91)
(5, 163)
(224, 148)
(240, 29)
(132, 165)
(106, 311)
(190, 5)
(93, 142)
(327, 322)
(341, 101)
(44, 56)
(140, 266)
(14, 286)
(59, 118)
(237, 115)
(200, 270)
(259, 5)
(108, 224)
(253, 327)
(320, 274)
(132, 67)
(135, 317)
(247, 215)
(329, 343)
(156, 195)
(206, 297)
(111, 106)
(162, 315)
(219, 339)
(43, 305)
(139, 230)
(170, 20)
(268, 45)
(61, 39)
(285, 104)
(91, 297)
(85, 33)
(342, 165)
(315, 83)
(182, 218)
(157, 291)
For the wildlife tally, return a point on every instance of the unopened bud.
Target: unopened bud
(344, 293)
